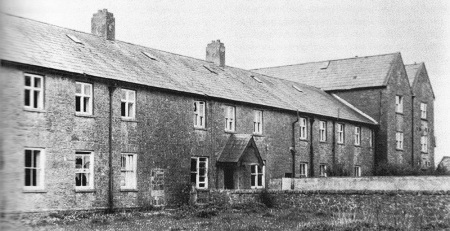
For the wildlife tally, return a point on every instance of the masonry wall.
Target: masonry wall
(162, 136)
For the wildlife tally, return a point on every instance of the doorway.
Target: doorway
(228, 178)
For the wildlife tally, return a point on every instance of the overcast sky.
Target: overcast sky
(272, 33)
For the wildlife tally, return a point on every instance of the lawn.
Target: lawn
(308, 212)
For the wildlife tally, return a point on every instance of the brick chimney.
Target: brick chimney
(215, 52)
(103, 24)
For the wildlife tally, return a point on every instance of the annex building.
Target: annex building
(90, 122)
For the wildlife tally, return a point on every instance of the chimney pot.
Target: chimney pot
(215, 52)
(103, 24)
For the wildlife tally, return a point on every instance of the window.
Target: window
(303, 128)
(303, 169)
(399, 140)
(357, 136)
(323, 131)
(128, 105)
(423, 110)
(424, 144)
(257, 121)
(399, 104)
(83, 98)
(257, 176)
(323, 170)
(199, 172)
(128, 171)
(34, 168)
(370, 138)
(357, 171)
(199, 114)
(84, 170)
(34, 90)
(230, 118)
(340, 131)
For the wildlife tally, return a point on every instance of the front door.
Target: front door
(228, 178)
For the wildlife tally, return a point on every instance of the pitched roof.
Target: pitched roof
(342, 74)
(35, 43)
(412, 70)
(235, 149)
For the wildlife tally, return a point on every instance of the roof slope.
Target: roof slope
(235, 148)
(35, 43)
(412, 70)
(358, 72)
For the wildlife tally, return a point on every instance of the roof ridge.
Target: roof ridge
(298, 64)
(415, 64)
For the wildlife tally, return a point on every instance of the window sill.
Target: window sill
(230, 132)
(199, 128)
(399, 113)
(202, 189)
(340, 143)
(84, 115)
(30, 190)
(303, 139)
(34, 110)
(85, 190)
(258, 134)
(401, 150)
(125, 119)
(323, 141)
(358, 145)
(129, 190)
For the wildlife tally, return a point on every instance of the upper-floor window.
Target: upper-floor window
(199, 172)
(399, 140)
(424, 143)
(303, 169)
(303, 128)
(323, 170)
(423, 110)
(128, 167)
(357, 171)
(84, 170)
(34, 91)
(323, 131)
(399, 104)
(357, 136)
(257, 176)
(230, 118)
(34, 168)
(83, 98)
(340, 133)
(257, 121)
(199, 114)
(128, 103)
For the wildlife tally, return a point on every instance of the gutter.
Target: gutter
(412, 130)
(311, 147)
(292, 149)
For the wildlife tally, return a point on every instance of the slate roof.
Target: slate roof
(234, 148)
(412, 70)
(342, 74)
(35, 43)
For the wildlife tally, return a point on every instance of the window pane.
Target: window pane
(122, 109)
(78, 162)
(36, 159)
(27, 97)
(87, 89)
(87, 161)
(260, 177)
(201, 179)
(130, 109)
(86, 105)
(77, 103)
(78, 88)
(193, 178)
(33, 177)
(253, 179)
(27, 81)
(123, 94)
(37, 82)
(27, 177)
(131, 96)
(253, 168)
(202, 171)
(36, 99)
(28, 158)
(193, 165)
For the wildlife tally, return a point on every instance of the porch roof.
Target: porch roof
(236, 147)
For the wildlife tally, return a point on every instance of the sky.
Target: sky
(273, 33)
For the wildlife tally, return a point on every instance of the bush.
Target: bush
(390, 169)
(338, 170)
(267, 198)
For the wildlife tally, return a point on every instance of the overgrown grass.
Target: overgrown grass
(305, 212)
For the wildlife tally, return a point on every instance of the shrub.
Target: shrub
(391, 169)
(267, 198)
(338, 170)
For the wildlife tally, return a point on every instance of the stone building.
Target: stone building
(399, 97)
(90, 122)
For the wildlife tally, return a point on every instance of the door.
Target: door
(228, 178)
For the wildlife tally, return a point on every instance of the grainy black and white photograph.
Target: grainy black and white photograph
(224, 115)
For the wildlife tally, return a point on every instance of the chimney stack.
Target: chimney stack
(103, 24)
(215, 52)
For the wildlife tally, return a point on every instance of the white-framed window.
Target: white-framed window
(128, 171)
(323, 170)
(257, 121)
(357, 171)
(84, 170)
(199, 114)
(371, 138)
(230, 118)
(399, 140)
(340, 133)
(424, 143)
(257, 176)
(34, 91)
(83, 98)
(399, 104)
(303, 169)
(323, 131)
(357, 136)
(34, 168)
(199, 172)
(128, 103)
(423, 110)
(303, 129)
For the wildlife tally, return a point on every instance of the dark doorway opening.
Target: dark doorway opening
(228, 178)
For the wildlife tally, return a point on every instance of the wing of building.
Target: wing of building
(92, 122)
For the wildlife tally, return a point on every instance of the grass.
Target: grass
(307, 212)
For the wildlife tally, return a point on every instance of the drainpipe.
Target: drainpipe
(333, 147)
(311, 150)
(292, 149)
(110, 158)
(412, 130)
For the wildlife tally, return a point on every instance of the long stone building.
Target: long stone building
(90, 122)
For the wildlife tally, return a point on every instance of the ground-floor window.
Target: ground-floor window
(257, 176)
(357, 171)
(199, 172)
(128, 171)
(323, 170)
(84, 170)
(303, 169)
(34, 168)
